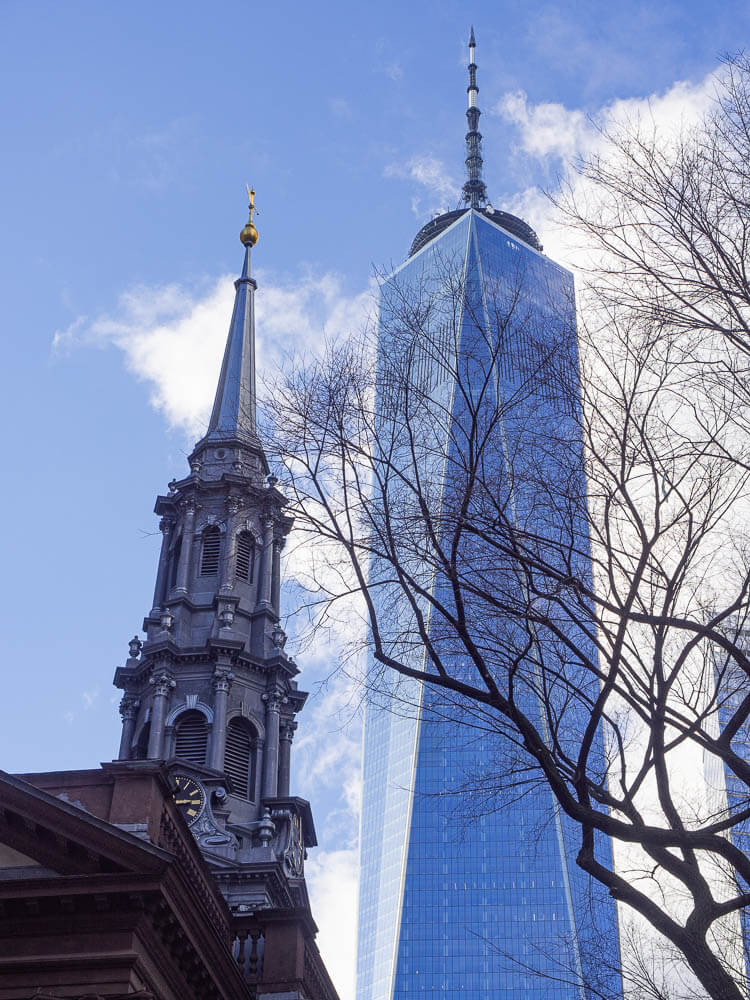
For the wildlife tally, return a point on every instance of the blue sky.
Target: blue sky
(128, 133)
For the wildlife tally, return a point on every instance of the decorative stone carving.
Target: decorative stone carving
(272, 701)
(222, 681)
(278, 637)
(287, 731)
(266, 829)
(163, 683)
(129, 706)
(290, 841)
(209, 834)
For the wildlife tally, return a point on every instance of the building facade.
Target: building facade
(466, 893)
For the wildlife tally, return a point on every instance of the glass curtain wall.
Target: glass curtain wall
(468, 879)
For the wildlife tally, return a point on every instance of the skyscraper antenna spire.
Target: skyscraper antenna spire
(475, 192)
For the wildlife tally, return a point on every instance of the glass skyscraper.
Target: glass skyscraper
(464, 892)
(722, 781)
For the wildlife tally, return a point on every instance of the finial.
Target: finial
(249, 234)
(475, 192)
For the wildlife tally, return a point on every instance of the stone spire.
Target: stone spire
(475, 192)
(233, 417)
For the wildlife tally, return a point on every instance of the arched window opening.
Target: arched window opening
(175, 562)
(210, 551)
(239, 757)
(191, 737)
(140, 751)
(245, 556)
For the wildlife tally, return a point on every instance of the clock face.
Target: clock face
(189, 797)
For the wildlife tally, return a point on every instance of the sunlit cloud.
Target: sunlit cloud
(437, 187)
(172, 337)
(332, 879)
(556, 137)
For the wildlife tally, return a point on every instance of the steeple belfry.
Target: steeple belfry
(475, 192)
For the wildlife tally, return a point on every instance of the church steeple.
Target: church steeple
(475, 192)
(212, 690)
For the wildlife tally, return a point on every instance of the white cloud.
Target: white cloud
(332, 880)
(546, 129)
(550, 131)
(89, 697)
(327, 748)
(432, 175)
(173, 337)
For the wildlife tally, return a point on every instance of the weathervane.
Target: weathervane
(249, 234)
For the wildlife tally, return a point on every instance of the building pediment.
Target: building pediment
(61, 836)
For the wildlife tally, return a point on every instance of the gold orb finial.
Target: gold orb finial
(249, 234)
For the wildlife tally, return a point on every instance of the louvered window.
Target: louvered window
(245, 556)
(175, 562)
(191, 737)
(210, 551)
(239, 758)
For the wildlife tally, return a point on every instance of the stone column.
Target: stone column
(271, 754)
(259, 750)
(129, 712)
(286, 736)
(163, 683)
(278, 545)
(222, 682)
(166, 524)
(266, 571)
(230, 547)
(188, 531)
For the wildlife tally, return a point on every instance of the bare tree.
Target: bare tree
(559, 549)
(668, 212)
